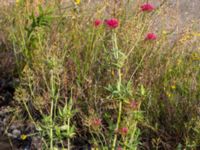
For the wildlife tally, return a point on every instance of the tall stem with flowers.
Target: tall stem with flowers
(117, 51)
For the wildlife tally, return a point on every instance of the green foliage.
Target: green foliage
(124, 94)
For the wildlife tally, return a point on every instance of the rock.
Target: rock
(16, 125)
(36, 143)
(9, 135)
(16, 133)
(13, 126)
(5, 121)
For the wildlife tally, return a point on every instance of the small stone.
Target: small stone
(5, 121)
(16, 133)
(13, 126)
(1, 122)
(9, 135)
(36, 143)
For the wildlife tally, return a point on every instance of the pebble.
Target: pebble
(13, 126)
(16, 133)
(5, 121)
(36, 143)
(9, 135)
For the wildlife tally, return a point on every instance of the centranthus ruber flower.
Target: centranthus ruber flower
(97, 22)
(96, 122)
(123, 131)
(134, 104)
(112, 23)
(147, 7)
(151, 36)
(119, 148)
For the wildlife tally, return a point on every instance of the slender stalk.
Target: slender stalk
(53, 91)
(119, 89)
(117, 126)
(51, 129)
(29, 114)
(69, 106)
(25, 105)
(68, 139)
(119, 79)
(138, 66)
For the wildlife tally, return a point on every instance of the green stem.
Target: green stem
(119, 80)
(51, 129)
(119, 89)
(29, 114)
(117, 126)
(120, 108)
(68, 128)
(25, 104)
(53, 91)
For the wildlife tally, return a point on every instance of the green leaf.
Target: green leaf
(142, 90)
(58, 131)
(64, 127)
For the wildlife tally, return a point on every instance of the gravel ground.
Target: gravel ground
(188, 9)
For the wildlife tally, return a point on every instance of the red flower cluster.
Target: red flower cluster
(119, 148)
(123, 131)
(111, 23)
(151, 36)
(147, 7)
(134, 104)
(96, 122)
(114, 23)
(97, 22)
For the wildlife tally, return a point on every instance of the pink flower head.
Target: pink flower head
(147, 7)
(123, 131)
(119, 148)
(151, 36)
(134, 104)
(96, 122)
(97, 22)
(112, 23)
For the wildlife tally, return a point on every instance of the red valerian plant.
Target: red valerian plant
(97, 22)
(96, 122)
(119, 148)
(147, 7)
(133, 104)
(151, 36)
(123, 131)
(112, 23)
